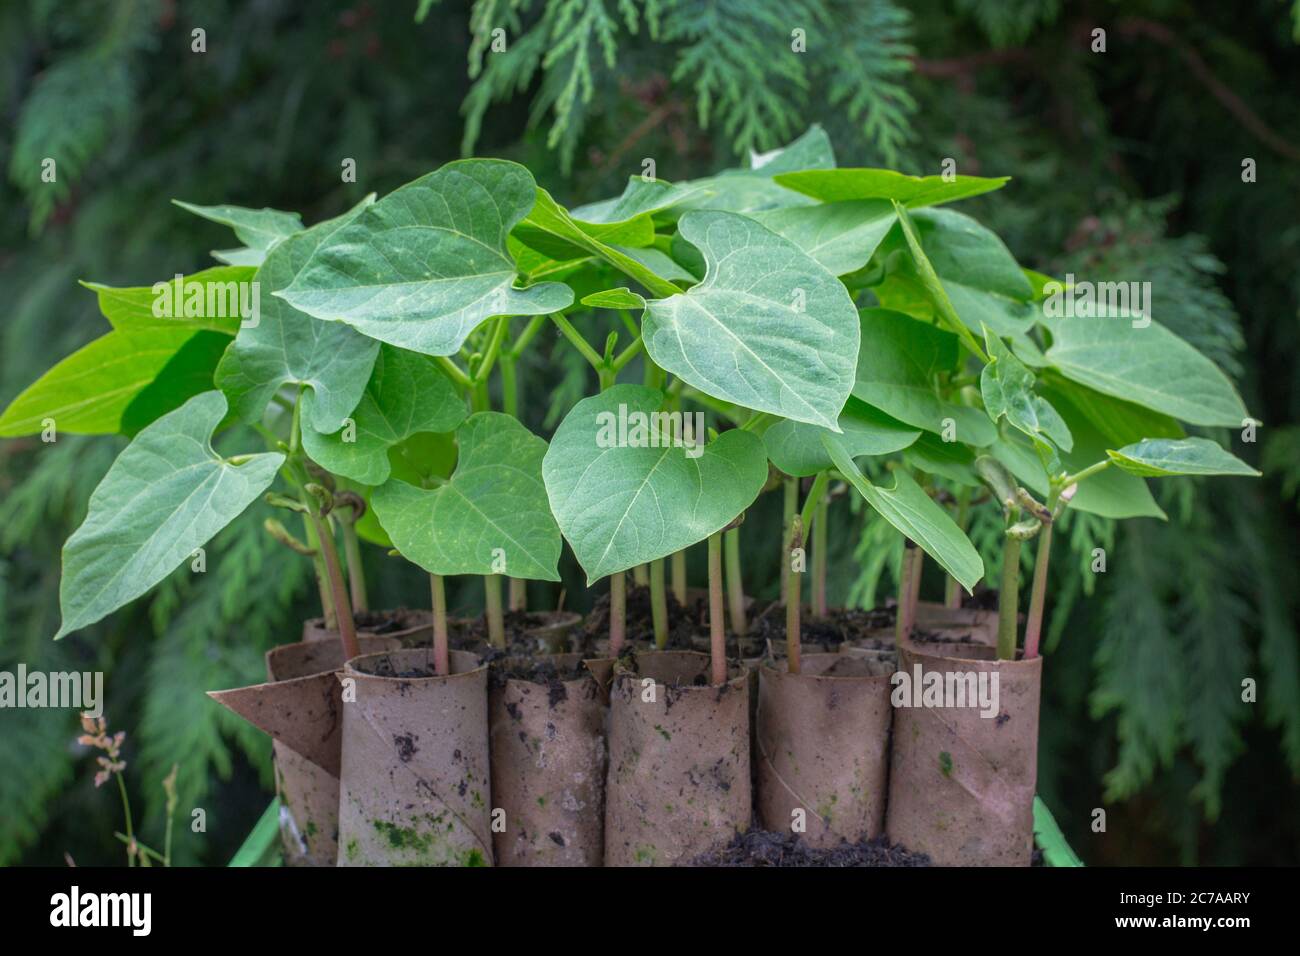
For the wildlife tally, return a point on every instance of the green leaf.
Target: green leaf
(406, 394)
(743, 192)
(622, 298)
(621, 501)
(290, 347)
(767, 328)
(551, 230)
(1121, 422)
(838, 185)
(258, 229)
(933, 285)
(1150, 366)
(1007, 387)
(494, 507)
(812, 150)
(841, 236)
(165, 496)
(659, 263)
(1050, 839)
(93, 390)
(796, 447)
(427, 264)
(222, 292)
(640, 199)
(946, 459)
(908, 508)
(897, 368)
(1110, 493)
(981, 278)
(1157, 457)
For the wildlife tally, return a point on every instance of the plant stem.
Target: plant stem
(441, 657)
(735, 583)
(322, 576)
(658, 603)
(918, 572)
(577, 341)
(1009, 598)
(617, 613)
(492, 602)
(454, 372)
(356, 573)
(494, 348)
(641, 576)
(509, 385)
(1086, 473)
(905, 610)
(346, 626)
(952, 587)
(518, 594)
(794, 589)
(819, 559)
(717, 628)
(679, 576)
(126, 810)
(1038, 592)
(789, 504)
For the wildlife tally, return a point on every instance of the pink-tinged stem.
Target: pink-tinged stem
(441, 656)
(717, 625)
(338, 591)
(1038, 595)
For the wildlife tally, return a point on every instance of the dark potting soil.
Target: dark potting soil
(824, 634)
(684, 621)
(983, 599)
(767, 848)
(536, 670)
(473, 636)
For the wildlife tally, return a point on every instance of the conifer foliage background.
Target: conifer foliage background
(1127, 165)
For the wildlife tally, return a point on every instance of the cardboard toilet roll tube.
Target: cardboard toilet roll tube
(823, 748)
(548, 769)
(979, 625)
(679, 778)
(414, 787)
(409, 626)
(300, 708)
(961, 785)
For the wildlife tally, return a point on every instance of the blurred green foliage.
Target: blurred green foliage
(1127, 164)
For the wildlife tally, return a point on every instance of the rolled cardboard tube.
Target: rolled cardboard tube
(679, 775)
(299, 708)
(823, 747)
(414, 787)
(548, 769)
(961, 785)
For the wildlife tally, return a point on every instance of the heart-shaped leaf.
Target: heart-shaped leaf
(908, 508)
(164, 497)
(1157, 457)
(407, 394)
(492, 517)
(624, 493)
(290, 347)
(839, 185)
(796, 447)
(427, 264)
(841, 236)
(767, 328)
(896, 373)
(1149, 365)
